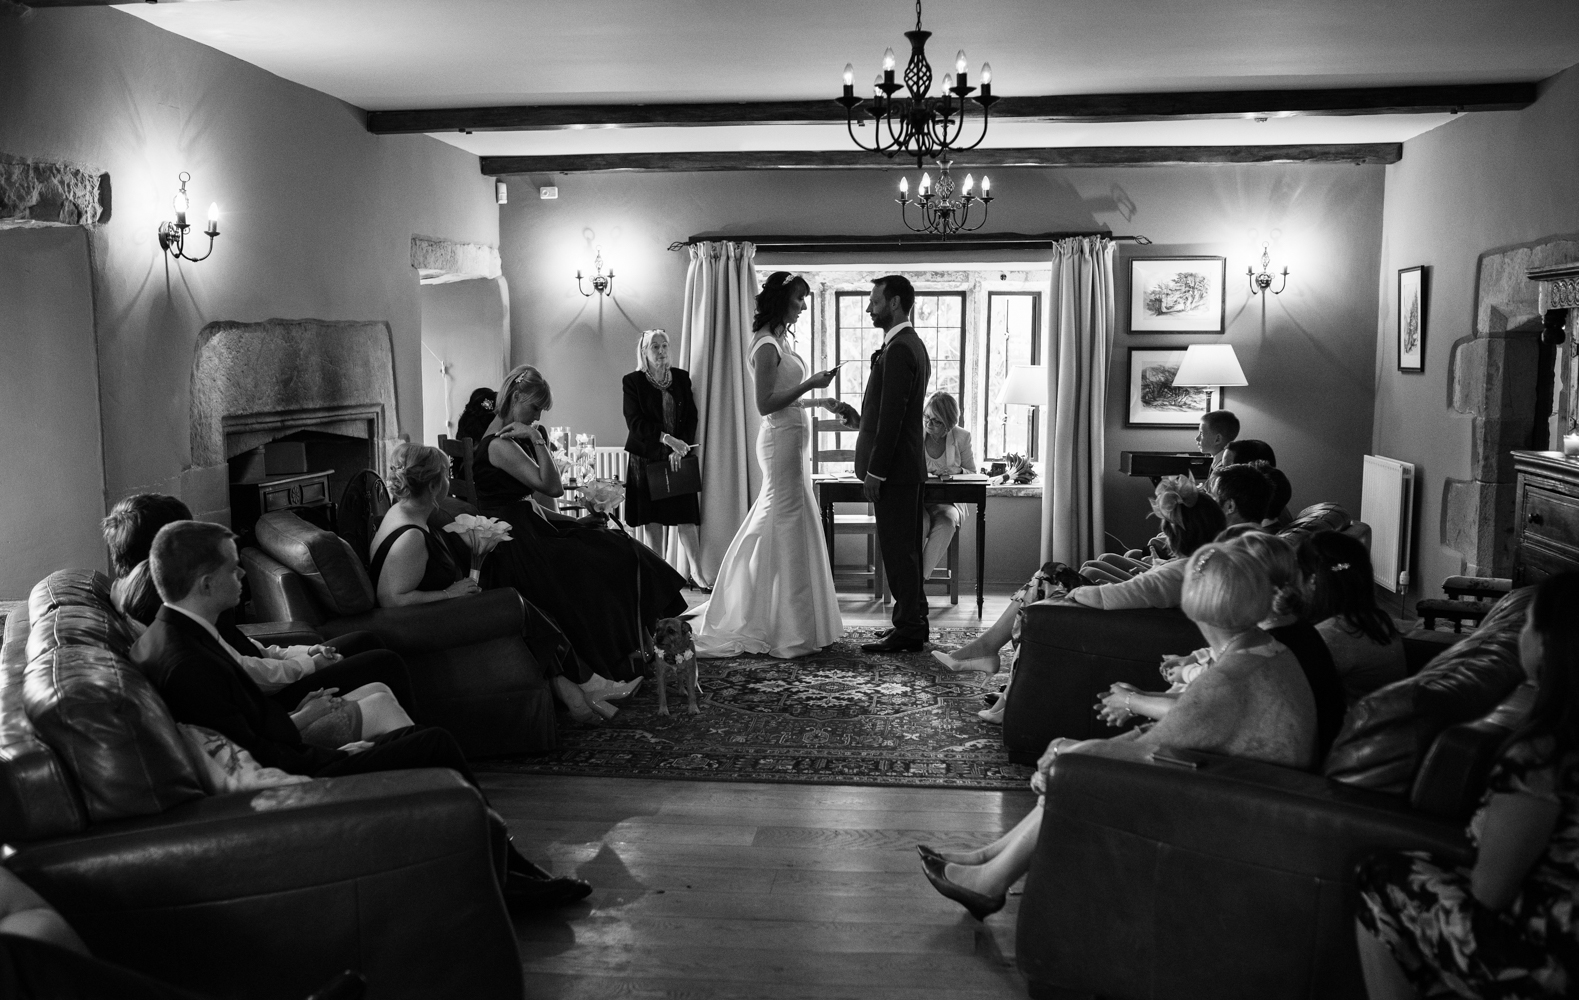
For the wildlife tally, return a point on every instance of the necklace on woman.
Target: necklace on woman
(662, 383)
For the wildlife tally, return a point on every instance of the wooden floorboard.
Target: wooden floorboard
(755, 891)
(759, 891)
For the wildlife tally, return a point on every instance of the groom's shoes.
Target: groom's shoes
(892, 644)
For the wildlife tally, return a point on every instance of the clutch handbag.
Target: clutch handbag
(664, 481)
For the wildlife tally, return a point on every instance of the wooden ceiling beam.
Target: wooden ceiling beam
(855, 159)
(1060, 108)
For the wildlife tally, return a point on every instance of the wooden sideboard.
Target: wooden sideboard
(1546, 523)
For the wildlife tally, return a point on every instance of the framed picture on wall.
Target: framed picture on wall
(1176, 294)
(1154, 401)
(1411, 319)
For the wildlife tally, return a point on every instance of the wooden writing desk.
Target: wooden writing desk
(845, 490)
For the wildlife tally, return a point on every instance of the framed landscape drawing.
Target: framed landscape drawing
(1176, 294)
(1154, 401)
(1411, 319)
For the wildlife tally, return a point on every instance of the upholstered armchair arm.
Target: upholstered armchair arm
(282, 633)
(423, 628)
(376, 872)
(278, 593)
(1231, 879)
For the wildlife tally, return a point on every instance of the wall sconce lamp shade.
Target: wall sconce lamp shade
(1025, 386)
(172, 235)
(1210, 365)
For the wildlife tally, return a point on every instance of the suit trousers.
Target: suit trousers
(900, 521)
(366, 662)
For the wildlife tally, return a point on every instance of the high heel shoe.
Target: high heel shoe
(585, 714)
(603, 689)
(994, 714)
(980, 905)
(603, 708)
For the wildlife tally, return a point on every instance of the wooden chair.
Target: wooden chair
(851, 524)
(363, 505)
(948, 573)
(460, 450)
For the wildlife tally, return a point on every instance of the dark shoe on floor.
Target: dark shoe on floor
(928, 853)
(884, 633)
(525, 892)
(347, 985)
(893, 645)
(981, 906)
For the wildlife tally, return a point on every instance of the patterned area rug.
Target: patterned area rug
(838, 717)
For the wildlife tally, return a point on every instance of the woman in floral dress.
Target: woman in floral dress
(1508, 927)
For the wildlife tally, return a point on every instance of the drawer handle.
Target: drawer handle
(1533, 518)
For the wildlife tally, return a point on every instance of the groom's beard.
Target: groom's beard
(883, 320)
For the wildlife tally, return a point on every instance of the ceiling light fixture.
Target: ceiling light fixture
(920, 125)
(172, 235)
(941, 212)
(602, 284)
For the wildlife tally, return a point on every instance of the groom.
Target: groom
(889, 455)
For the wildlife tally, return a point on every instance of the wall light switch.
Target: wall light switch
(548, 193)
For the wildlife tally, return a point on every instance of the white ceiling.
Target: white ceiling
(397, 54)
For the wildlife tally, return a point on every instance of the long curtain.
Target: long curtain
(720, 297)
(1078, 346)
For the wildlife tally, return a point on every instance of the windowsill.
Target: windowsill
(1026, 490)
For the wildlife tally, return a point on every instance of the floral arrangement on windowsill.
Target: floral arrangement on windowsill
(1018, 471)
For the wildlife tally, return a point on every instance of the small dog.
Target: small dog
(676, 651)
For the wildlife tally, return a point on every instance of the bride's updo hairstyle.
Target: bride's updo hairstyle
(774, 299)
(523, 382)
(415, 469)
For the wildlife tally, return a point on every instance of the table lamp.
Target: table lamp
(1212, 365)
(1026, 385)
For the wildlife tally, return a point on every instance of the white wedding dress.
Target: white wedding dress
(774, 593)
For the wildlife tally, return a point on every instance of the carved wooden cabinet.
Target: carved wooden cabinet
(1546, 523)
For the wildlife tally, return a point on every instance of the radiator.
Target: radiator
(1386, 504)
(609, 463)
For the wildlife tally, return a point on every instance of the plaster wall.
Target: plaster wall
(317, 215)
(1484, 183)
(49, 445)
(1309, 363)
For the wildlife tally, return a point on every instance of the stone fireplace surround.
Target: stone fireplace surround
(255, 382)
(1496, 378)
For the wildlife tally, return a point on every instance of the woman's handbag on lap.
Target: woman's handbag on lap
(664, 481)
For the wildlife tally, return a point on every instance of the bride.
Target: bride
(774, 593)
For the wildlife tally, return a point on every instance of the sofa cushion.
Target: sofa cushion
(95, 710)
(1388, 732)
(1318, 517)
(324, 560)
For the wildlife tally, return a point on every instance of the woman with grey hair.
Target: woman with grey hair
(604, 590)
(660, 411)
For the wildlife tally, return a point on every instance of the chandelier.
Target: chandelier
(922, 125)
(940, 211)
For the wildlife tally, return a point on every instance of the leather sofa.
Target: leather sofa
(249, 894)
(1234, 879)
(471, 671)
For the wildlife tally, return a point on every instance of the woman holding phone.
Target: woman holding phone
(774, 593)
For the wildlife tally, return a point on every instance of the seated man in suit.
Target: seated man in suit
(288, 674)
(186, 657)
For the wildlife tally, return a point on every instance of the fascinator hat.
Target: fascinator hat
(1174, 493)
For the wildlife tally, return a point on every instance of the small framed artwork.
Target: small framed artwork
(1176, 294)
(1411, 319)
(1154, 401)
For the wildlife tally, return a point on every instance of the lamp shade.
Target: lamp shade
(1210, 364)
(1025, 386)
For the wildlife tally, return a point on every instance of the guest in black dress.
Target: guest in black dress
(582, 574)
(660, 411)
(415, 565)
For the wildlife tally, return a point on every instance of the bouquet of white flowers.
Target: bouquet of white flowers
(481, 534)
(602, 495)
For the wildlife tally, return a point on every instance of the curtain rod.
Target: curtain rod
(857, 244)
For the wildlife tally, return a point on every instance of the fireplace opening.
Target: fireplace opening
(305, 471)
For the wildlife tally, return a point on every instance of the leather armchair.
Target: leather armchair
(471, 671)
(247, 895)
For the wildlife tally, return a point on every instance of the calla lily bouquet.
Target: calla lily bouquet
(482, 534)
(602, 495)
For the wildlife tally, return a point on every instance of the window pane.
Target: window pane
(1012, 339)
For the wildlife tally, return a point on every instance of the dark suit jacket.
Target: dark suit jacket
(644, 414)
(204, 686)
(889, 444)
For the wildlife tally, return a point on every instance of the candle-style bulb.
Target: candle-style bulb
(877, 85)
(970, 182)
(926, 184)
(986, 72)
(181, 205)
(986, 185)
(888, 61)
(904, 185)
(849, 74)
(213, 219)
(959, 62)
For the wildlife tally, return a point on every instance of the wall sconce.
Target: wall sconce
(1259, 283)
(172, 235)
(602, 284)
